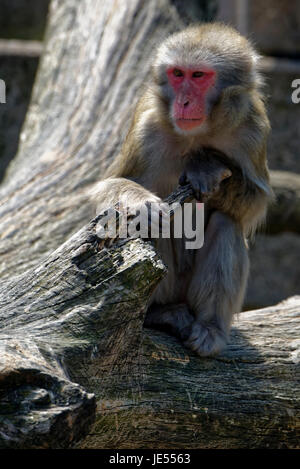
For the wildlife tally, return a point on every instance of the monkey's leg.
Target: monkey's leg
(168, 310)
(171, 318)
(218, 285)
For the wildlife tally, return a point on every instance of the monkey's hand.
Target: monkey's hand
(205, 174)
(145, 217)
(128, 210)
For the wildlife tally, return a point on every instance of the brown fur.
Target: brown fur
(155, 154)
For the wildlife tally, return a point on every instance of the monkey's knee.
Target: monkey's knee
(205, 340)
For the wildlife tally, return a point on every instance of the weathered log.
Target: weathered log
(75, 323)
(248, 397)
(72, 313)
(83, 301)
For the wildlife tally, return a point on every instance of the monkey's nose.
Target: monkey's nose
(186, 104)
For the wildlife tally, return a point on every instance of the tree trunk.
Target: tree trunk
(96, 58)
(72, 311)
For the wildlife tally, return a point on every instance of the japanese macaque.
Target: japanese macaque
(201, 120)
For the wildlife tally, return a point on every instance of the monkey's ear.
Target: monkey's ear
(232, 107)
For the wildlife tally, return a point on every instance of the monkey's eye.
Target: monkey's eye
(177, 72)
(197, 74)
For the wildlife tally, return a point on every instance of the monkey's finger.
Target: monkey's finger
(182, 180)
(200, 196)
(226, 173)
(200, 188)
(196, 189)
(214, 181)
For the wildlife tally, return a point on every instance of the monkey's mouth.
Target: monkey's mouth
(189, 124)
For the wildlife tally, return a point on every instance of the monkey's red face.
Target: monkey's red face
(191, 87)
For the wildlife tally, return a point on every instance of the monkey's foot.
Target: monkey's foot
(171, 318)
(205, 341)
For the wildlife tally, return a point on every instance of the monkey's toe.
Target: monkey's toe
(170, 318)
(205, 341)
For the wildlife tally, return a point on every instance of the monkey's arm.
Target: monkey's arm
(205, 172)
(241, 199)
(121, 190)
(131, 200)
(222, 184)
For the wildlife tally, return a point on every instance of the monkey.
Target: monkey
(200, 120)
